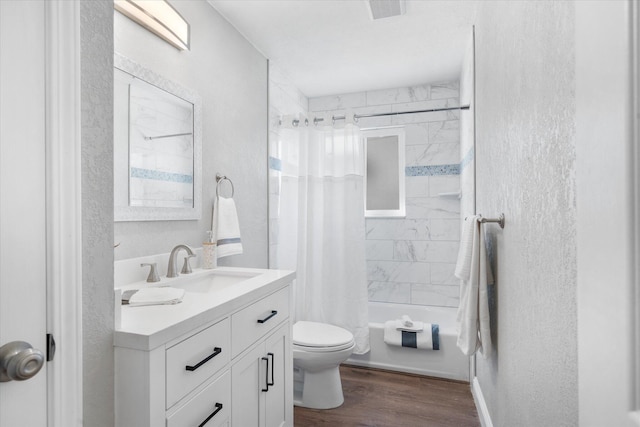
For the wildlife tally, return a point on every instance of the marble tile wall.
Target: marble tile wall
(411, 260)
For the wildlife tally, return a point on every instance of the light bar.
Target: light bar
(159, 17)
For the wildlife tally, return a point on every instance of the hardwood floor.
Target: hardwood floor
(375, 398)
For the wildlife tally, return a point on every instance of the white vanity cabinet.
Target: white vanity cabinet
(228, 365)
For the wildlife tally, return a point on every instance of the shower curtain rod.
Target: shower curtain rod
(397, 113)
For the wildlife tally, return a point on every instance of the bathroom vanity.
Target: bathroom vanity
(221, 357)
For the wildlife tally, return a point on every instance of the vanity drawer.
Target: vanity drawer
(214, 401)
(252, 322)
(190, 362)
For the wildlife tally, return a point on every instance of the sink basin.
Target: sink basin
(213, 281)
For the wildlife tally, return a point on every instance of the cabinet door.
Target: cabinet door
(248, 379)
(279, 398)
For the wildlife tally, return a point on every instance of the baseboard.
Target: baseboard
(481, 405)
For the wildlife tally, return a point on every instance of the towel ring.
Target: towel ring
(219, 180)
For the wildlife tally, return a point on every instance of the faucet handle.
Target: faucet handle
(153, 273)
(186, 268)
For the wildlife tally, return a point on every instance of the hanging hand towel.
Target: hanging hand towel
(428, 339)
(226, 230)
(463, 266)
(473, 322)
(156, 296)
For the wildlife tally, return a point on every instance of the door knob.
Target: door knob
(19, 361)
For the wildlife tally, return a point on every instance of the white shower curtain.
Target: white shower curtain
(321, 228)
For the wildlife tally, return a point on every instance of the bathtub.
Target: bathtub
(448, 362)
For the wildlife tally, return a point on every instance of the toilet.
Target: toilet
(318, 351)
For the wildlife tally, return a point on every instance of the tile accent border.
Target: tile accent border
(432, 170)
(161, 176)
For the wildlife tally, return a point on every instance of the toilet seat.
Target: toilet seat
(321, 337)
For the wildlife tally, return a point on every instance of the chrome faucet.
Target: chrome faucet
(173, 267)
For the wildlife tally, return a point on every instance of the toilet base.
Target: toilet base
(321, 390)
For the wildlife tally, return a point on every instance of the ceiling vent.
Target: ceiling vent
(386, 8)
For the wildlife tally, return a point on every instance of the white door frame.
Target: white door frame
(608, 203)
(64, 215)
(635, 324)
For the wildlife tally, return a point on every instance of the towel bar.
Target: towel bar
(219, 180)
(499, 220)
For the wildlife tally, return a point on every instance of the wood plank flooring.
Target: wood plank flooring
(375, 398)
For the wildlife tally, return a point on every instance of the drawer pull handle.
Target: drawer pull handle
(272, 370)
(216, 351)
(213, 414)
(273, 313)
(266, 374)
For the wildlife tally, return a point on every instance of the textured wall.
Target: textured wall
(96, 41)
(411, 260)
(525, 142)
(231, 78)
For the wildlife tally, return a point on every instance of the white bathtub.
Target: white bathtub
(448, 362)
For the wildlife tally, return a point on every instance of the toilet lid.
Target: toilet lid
(314, 334)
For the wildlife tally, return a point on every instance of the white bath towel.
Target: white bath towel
(473, 322)
(427, 339)
(406, 324)
(463, 266)
(225, 227)
(406, 320)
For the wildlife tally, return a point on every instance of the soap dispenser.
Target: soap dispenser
(209, 255)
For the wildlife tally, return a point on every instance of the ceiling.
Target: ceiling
(330, 47)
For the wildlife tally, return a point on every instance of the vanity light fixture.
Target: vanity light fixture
(159, 17)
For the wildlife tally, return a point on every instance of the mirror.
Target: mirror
(384, 172)
(157, 146)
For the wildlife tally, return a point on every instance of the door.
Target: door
(608, 257)
(22, 202)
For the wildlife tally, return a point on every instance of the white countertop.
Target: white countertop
(147, 327)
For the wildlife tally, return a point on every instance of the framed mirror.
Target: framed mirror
(384, 172)
(157, 146)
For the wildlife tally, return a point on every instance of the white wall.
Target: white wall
(230, 76)
(525, 167)
(96, 33)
